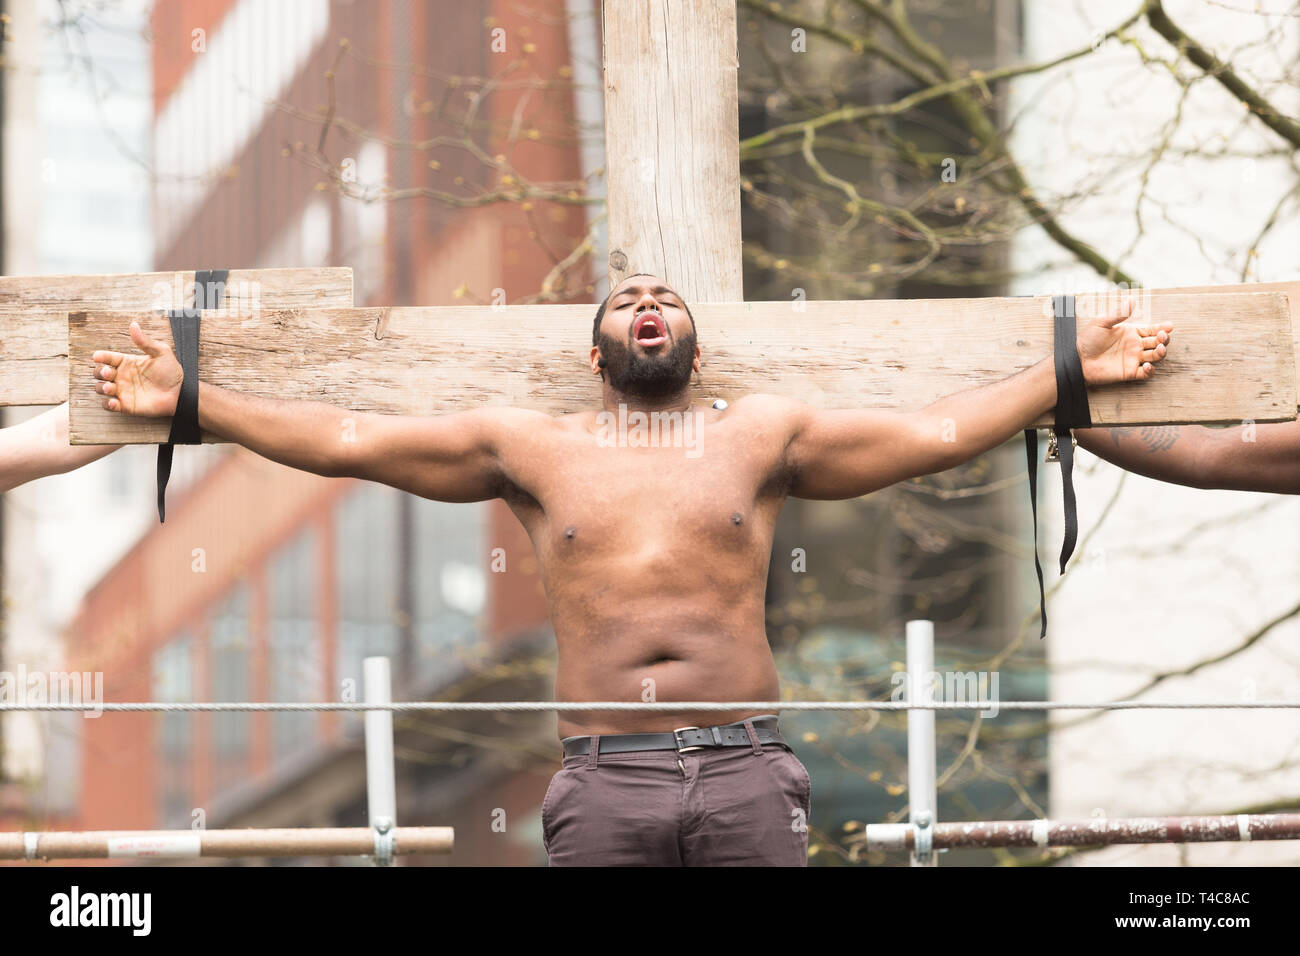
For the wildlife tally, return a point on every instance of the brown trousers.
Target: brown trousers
(724, 806)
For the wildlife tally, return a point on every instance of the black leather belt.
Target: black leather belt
(683, 739)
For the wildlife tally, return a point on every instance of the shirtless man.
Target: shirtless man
(39, 447)
(1205, 457)
(654, 561)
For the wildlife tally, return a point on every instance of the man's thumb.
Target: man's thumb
(144, 343)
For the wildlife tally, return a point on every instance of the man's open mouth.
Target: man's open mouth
(649, 329)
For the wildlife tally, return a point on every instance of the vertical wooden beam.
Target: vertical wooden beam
(672, 144)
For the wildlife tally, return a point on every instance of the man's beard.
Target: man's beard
(648, 376)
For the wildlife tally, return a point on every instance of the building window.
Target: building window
(293, 642)
(231, 650)
(449, 552)
(369, 582)
(173, 682)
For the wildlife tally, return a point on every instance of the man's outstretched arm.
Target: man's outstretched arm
(451, 457)
(39, 447)
(843, 454)
(1267, 458)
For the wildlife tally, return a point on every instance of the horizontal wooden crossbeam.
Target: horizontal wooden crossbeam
(1233, 357)
(34, 311)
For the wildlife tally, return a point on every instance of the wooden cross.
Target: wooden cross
(674, 211)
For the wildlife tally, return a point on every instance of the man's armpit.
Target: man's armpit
(1154, 438)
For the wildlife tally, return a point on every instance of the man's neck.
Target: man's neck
(679, 401)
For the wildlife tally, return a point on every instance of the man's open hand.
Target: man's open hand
(148, 384)
(1112, 352)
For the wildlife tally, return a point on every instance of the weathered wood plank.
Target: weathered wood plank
(1290, 289)
(672, 144)
(1225, 366)
(34, 310)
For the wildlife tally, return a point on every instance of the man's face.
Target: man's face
(647, 339)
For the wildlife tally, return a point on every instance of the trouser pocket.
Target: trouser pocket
(548, 804)
(801, 782)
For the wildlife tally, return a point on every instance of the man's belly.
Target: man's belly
(662, 667)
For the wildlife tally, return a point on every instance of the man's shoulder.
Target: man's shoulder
(765, 405)
(530, 422)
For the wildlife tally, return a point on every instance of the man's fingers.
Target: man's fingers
(106, 372)
(1152, 355)
(1154, 336)
(107, 358)
(111, 404)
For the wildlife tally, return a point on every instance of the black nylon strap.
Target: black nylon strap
(185, 323)
(1071, 412)
(1031, 452)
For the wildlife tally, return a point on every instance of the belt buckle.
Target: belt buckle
(678, 740)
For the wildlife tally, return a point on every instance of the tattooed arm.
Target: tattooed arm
(1241, 458)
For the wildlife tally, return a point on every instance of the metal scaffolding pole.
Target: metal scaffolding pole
(924, 836)
(189, 844)
(381, 772)
(922, 798)
(382, 841)
(1092, 832)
